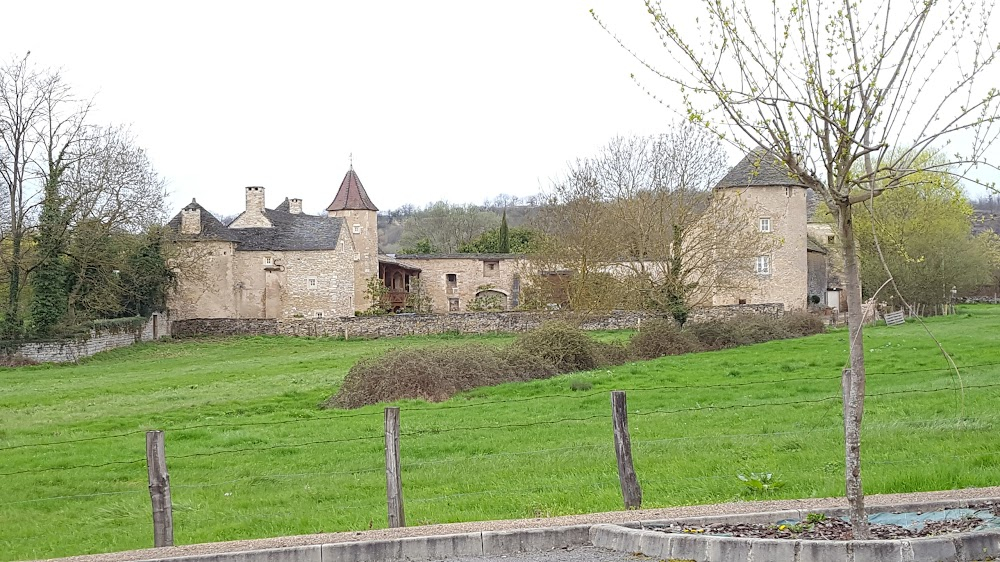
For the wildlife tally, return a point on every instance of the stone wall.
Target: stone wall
(104, 339)
(427, 324)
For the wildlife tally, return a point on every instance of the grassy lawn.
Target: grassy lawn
(251, 455)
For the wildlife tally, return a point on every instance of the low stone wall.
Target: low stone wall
(428, 324)
(105, 339)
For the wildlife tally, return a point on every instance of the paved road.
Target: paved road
(579, 554)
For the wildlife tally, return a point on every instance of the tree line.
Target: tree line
(81, 209)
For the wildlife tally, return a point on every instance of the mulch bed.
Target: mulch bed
(834, 528)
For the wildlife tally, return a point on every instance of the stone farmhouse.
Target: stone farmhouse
(283, 263)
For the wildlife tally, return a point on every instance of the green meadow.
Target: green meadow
(251, 454)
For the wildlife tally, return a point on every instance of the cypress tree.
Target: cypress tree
(504, 234)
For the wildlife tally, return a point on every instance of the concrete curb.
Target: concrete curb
(487, 543)
(633, 537)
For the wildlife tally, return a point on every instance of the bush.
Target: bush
(611, 353)
(662, 337)
(435, 373)
(566, 347)
(759, 329)
(717, 334)
(801, 323)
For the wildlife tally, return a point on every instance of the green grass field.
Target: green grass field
(251, 455)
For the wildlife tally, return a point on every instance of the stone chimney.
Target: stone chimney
(295, 206)
(255, 199)
(191, 219)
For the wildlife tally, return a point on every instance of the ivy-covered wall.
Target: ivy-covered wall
(104, 335)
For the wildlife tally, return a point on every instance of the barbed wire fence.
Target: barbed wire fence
(623, 452)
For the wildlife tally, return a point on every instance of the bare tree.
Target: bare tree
(40, 124)
(830, 89)
(643, 210)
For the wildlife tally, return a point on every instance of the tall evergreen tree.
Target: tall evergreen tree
(504, 234)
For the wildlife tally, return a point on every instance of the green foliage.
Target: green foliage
(487, 299)
(760, 483)
(49, 279)
(417, 299)
(376, 293)
(421, 246)
(578, 385)
(815, 518)
(520, 240)
(925, 232)
(145, 278)
(504, 234)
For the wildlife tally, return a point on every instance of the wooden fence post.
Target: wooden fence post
(159, 490)
(393, 479)
(631, 492)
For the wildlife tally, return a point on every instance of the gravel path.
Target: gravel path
(477, 526)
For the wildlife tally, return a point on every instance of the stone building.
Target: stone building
(462, 282)
(282, 263)
(777, 205)
(270, 263)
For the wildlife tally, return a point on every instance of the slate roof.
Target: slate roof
(759, 168)
(351, 195)
(211, 227)
(488, 257)
(814, 246)
(290, 232)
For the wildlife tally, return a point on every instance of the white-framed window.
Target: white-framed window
(319, 314)
(765, 224)
(357, 256)
(268, 260)
(764, 265)
(311, 282)
(357, 229)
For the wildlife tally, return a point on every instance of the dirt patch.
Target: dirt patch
(819, 527)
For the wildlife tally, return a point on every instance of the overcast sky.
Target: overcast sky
(457, 101)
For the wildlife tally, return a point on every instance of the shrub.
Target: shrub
(759, 329)
(801, 323)
(662, 337)
(716, 334)
(435, 373)
(568, 348)
(611, 353)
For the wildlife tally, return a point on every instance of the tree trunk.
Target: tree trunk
(853, 383)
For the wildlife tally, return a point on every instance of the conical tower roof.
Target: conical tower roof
(759, 168)
(351, 195)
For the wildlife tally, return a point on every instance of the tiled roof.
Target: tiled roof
(351, 195)
(289, 232)
(458, 256)
(389, 260)
(759, 168)
(211, 228)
